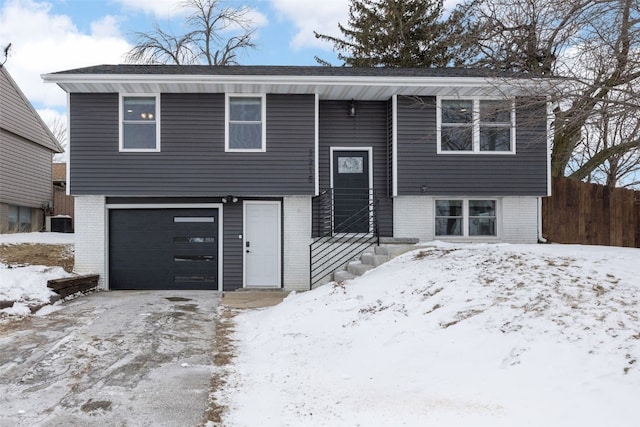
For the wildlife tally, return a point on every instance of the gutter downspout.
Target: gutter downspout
(540, 238)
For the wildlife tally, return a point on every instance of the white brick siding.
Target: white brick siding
(90, 232)
(520, 219)
(296, 213)
(413, 216)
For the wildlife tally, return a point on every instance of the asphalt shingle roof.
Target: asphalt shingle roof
(271, 70)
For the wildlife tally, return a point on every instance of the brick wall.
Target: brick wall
(296, 213)
(90, 232)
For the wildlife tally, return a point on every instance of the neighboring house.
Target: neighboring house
(199, 177)
(26, 149)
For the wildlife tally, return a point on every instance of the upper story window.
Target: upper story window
(139, 123)
(476, 126)
(245, 123)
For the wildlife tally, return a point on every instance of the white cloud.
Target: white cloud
(106, 27)
(257, 19)
(43, 42)
(322, 16)
(158, 8)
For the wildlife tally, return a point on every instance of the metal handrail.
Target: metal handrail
(322, 251)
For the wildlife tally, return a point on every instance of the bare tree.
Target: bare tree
(611, 126)
(593, 45)
(59, 130)
(217, 35)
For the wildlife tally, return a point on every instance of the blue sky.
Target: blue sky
(56, 35)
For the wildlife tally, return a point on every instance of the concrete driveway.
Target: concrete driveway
(125, 358)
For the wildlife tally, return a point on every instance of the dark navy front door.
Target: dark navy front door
(351, 191)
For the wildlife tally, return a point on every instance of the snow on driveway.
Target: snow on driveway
(126, 358)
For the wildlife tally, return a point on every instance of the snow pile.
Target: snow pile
(37, 237)
(26, 286)
(451, 335)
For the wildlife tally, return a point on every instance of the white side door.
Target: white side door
(261, 244)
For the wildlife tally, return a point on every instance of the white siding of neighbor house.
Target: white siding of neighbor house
(25, 172)
(413, 217)
(4, 217)
(18, 115)
(90, 232)
(296, 213)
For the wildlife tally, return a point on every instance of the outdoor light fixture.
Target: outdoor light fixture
(229, 199)
(352, 108)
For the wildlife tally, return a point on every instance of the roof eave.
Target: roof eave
(72, 82)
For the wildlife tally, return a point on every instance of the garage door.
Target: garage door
(163, 249)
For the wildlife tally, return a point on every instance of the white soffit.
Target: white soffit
(361, 88)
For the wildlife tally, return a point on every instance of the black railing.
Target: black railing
(346, 224)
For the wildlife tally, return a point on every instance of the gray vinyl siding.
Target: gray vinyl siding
(25, 171)
(369, 128)
(522, 174)
(232, 256)
(192, 160)
(18, 116)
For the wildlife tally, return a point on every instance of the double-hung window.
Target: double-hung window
(466, 218)
(245, 128)
(19, 218)
(476, 126)
(139, 123)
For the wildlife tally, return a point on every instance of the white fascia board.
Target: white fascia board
(65, 80)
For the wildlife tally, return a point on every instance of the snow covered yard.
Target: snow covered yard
(447, 335)
(450, 335)
(26, 285)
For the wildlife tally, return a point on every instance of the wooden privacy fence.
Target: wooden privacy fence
(62, 204)
(591, 214)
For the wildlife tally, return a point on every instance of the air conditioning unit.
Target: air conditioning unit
(58, 224)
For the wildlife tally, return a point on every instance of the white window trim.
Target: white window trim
(476, 125)
(465, 219)
(121, 123)
(263, 113)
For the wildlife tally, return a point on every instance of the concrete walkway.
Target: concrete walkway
(244, 299)
(126, 358)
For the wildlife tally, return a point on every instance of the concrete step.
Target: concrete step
(393, 251)
(373, 259)
(342, 276)
(398, 241)
(370, 260)
(358, 268)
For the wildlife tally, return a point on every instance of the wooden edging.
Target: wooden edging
(71, 285)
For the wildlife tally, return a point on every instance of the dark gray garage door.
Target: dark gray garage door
(163, 249)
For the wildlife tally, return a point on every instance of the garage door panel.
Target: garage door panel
(163, 249)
